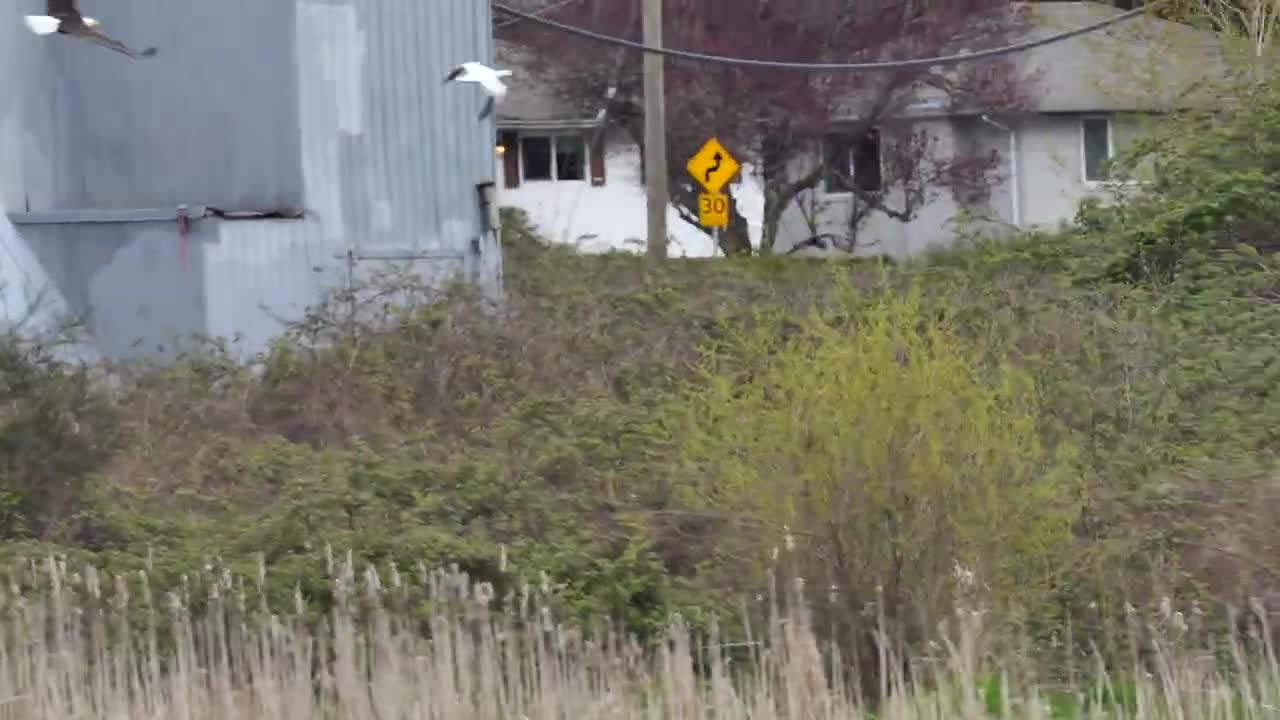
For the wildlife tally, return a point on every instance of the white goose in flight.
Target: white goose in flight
(490, 81)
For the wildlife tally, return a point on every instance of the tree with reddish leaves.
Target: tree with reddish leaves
(776, 119)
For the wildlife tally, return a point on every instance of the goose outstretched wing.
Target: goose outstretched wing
(492, 84)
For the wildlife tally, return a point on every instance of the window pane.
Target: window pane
(1096, 151)
(570, 160)
(1126, 131)
(866, 163)
(853, 162)
(839, 169)
(537, 157)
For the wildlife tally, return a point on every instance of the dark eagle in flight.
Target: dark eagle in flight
(64, 17)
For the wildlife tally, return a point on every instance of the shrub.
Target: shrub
(891, 454)
(1210, 180)
(56, 429)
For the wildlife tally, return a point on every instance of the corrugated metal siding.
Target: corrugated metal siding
(263, 271)
(337, 107)
(212, 119)
(420, 151)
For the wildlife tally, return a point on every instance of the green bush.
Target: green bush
(1209, 185)
(889, 450)
(56, 429)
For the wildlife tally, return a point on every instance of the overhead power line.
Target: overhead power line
(868, 66)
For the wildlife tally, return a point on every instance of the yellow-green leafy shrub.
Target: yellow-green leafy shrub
(880, 444)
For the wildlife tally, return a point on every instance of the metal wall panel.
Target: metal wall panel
(261, 272)
(129, 281)
(413, 152)
(334, 106)
(212, 119)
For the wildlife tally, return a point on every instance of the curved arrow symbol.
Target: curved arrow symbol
(718, 158)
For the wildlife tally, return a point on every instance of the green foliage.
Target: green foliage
(397, 507)
(518, 231)
(996, 695)
(56, 428)
(889, 448)
(1209, 186)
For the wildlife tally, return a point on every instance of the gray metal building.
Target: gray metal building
(334, 109)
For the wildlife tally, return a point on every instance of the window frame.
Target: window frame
(1108, 182)
(554, 136)
(1084, 149)
(823, 189)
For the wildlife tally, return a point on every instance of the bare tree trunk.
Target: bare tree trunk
(735, 240)
(770, 223)
(778, 196)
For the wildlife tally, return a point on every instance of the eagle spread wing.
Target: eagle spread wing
(62, 8)
(104, 41)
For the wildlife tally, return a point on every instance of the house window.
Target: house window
(553, 157)
(535, 158)
(852, 162)
(570, 158)
(1096, 147)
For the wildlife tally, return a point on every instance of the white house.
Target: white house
(1092, 92)
(580, 182)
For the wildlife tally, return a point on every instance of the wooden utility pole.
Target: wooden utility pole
(655, 133)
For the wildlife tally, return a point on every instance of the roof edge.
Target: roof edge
(558, 124)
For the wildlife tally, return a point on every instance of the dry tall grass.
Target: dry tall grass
(72, 645)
